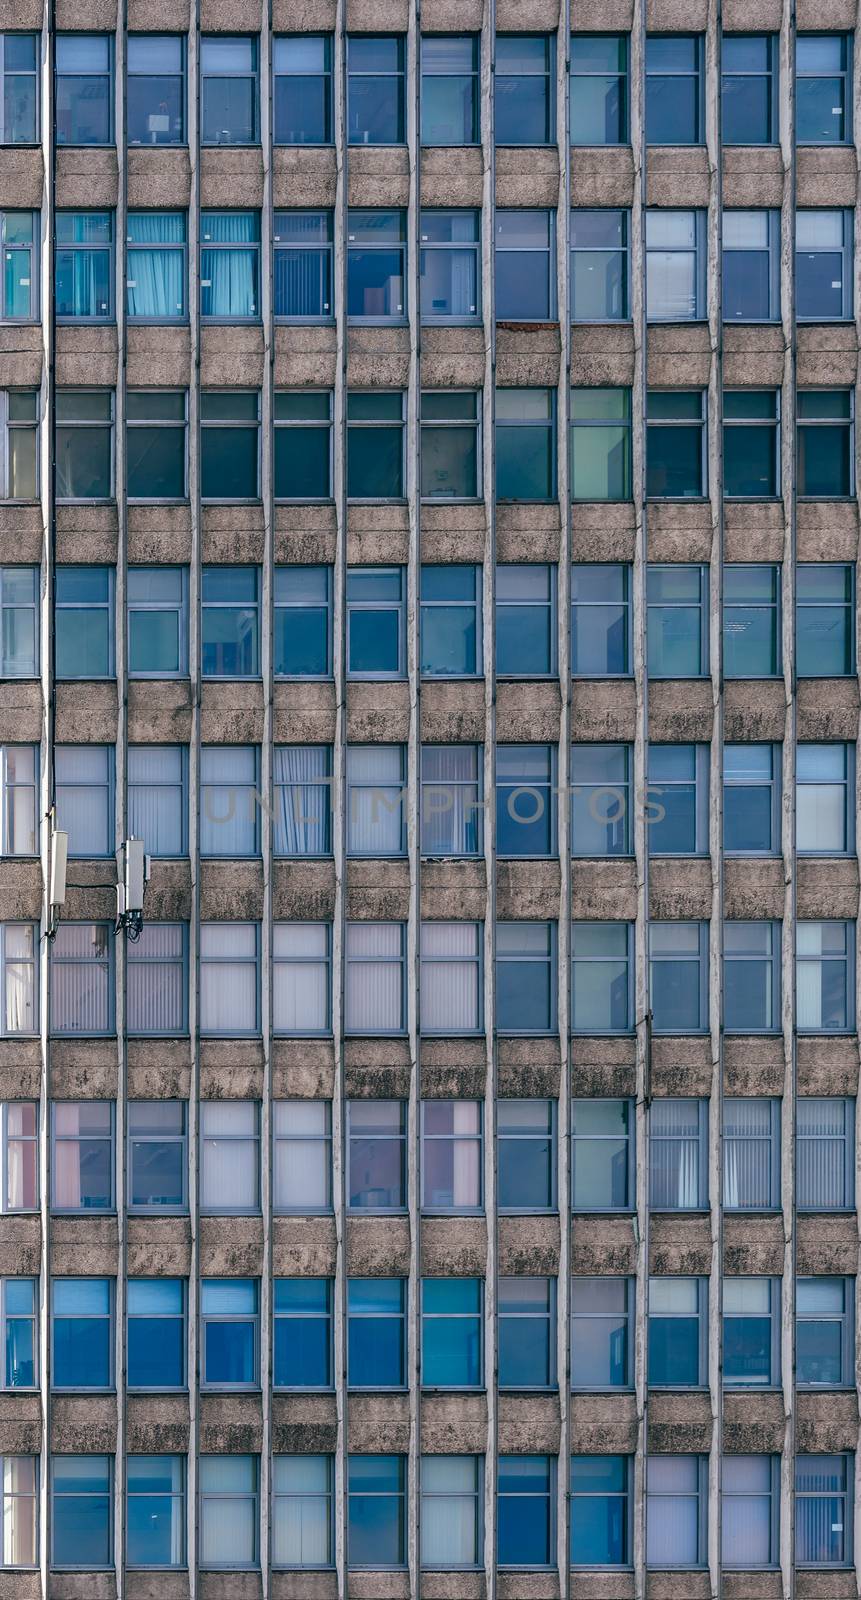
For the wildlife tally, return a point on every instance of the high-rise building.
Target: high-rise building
(428, 522)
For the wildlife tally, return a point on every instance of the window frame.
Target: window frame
(398, 1137)
(218, 1318)
(628, 1317)
(15, 1496)
(845, 1495)
(623, 77)
(547, 73)
(326, 1495)
(106, 1494)
(33, 247)
(547, 1318)
(453, 1138)
(91, 425)
(14, 72)
(102, 73)
(327, 1315)
(24, 1139)
(10, 786)
(247, 1496)
(698, 75)
(771, 957)
(108, 1138)
(139, 1208)
(845, 73)
(326, 77)
(701, 423)
(473, 74)
(398, 74)
(702, 1320)
(399, 1316)
(547, 1497)
(751, 1385)
(773, 251)
(701, 1201)
(533, 251)
(165, 1316)
(75, 249)
(467, 1317)
(253, 77)
(179, 608)
(178, 1517)
(136, 247)
(475, 1495)
(602, 959)
(770, 75)
(351, 604)
(312, 959)
(703, 961)
(173, 425)
(846, 958)
(599, 1498)
(623, 251)
(697, 251)
(18, 1316)
(550, 960)
(845, 1320)
(847, 259)
(628, 1138)
(17, 607)
(846, 784)
(753, 1138)
(324, 1139)
(250, 1137)
(848, 1163)
(85, 1316)
(181, 77)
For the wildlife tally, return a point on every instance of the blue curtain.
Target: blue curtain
(229, 275)
(156, 286)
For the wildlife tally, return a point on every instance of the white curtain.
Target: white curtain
(674, 1155)
(302, 800)
(300, 977)
(375, 799)
(228, 1487)
(302, 1155)
(228, 803)
(672, 1511)
(82, 778)
(809, 974)
(449, 977)
(374, 983)
(229, 275)
(19, 1511)
(156, 980)
(80, 985)
(20, 978)
(155, 274)
(821, 1130)
(746, 1520)
(229, 1171)
(449, 1504)
(671, 264)
(156, 797)
(747, 1174)
(228, 977)
(450, 800)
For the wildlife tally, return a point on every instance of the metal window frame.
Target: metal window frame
(701, 787)
(399, 1138)
(251, 1318)
(623, 424)
(398, 75)
(8, 787)
(31, 606)
(24, 1139)
(141, 1208)
(514, 1136)
(846, 784)
(588, 960)
(352, 961)
(758, 423)
(730, 1140)
(546, 252)
(845, 73)
(107, 74)
(846, 1322)
(548, 961)
(17, 72)
(773, 1511)
(453, 1138)
(474, 605)
(34, 248)
(161, 1316)
(107, 961)
(179, 609)
(547, 1497)
(226, 424)
(253, 77)
(545, 789)
(279, 604)
(775, 786)
(846, 1496)
(91, 425)
(452, 422)
(31, 961)
(328, 1496)
(620, 793)
(697, 73)
(773, 251)
(212, 319)
(279, 794)
(845, 607)
(133, 785)
(399, 605)
(623, 251)
(697, 251)
(250, 1496)
(313, 960)
(104, 787)
(231, 605)
(107, 606)
(771, 76)
(461, 786)
(772, 959)
(702, 1320)
(364, 425)
(397, 1496)
(547, 424)
(847, 961)
(427, 71)
(80, 247)
(701, 605)
(575, 1316)
(471, 1317)
(702, 425)
(742, 1385)
(108, 1138)
(244, 794)
(550, 604)
(377, 247)
(178, 1499)
(235, 960)
(624, 80)
(629, 1138)
(355, 785)
(287, 1316)
(181, 77)
(702, 1136)
(547, 73)
(400, 1317)
(848, 1163)
(324, 1139)
(847, 422)
(85, 1316)
(326, 77)
(546, 1318)
(9, 428)
(19, 1388)
(847, 263)
(174, 425)
(625, 1496)
(624, 567)
(138, 247)
(15, 1496)
(476, 1498)
(773, 606)
(102, 1494)
(326, 250)
(475, 960)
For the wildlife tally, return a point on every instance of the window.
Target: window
(451, 1155)
(525, 1530)
(19, 110)
(82, 1155)
(825, 1154)
(524, 110)
(303, 267)
(157, 621)
(824, 799)
(302, 778)
(751, 263)
(526, 977)
(157, 1155)
(526, 1155)
(303, 446)
(677, 602)
(376, 820)
(451, 1519)
(84, 265)
(156, 431)
(230, 622)
(19, 766)
(750, 1507)
(526, 1333)
(602, 1343)
(376, 1511)
(599, 89)
(155, 1333)
(823, 88)
(525, 800)
(375, 998)
(229, 1333)
(19, 636)
(823, 1333)
(450, 621)
(525, 266)
(525, 620)
(751, 621)
(20, 1509)
(18, 947)
(376, 266)
(375, 445)
(229, 1512)
(674, 89)
(229, 781)
(84, 621)
(302, 89)
(376, 1155)
(302, 1511)
(84, 442)
(449, 89)
(751, 444)
(451, 998)
(156, 267)
(450, 460)
(155, 1511)
(81, 979)
(156, 981)
(82, 1534)
(677, 822)
(600, 1511)
(19, 238)
(83, 88)
(303, 1356)
(525, 444)
(751, 1333)
(228, 91)
(824, 435)
(376, 100)
(676, 1511)
(751, 967)
(824, 985)
(229, 447)
(675, 266)
(751, 1154)
(675, 444)
(376, 1333)
(600, 265)
(600, 621)
(376, 646)
(601, 444)
(449, 265)
(823, 265)
(450, 800)
(155, 89)
(824, 621)
(751, 798)
(18, 1333)
(302, 1155)
(678, 1146)
(823, 1511)
(602, 977)
(601, 813)
(230, 1167)
(301, 978)
(749, 89)
(230, 265)
(302, 637)
(81, 1333)
(602, 1155)
(452, 1356)
(157, 803)
(678, 1332)
(19, 1156)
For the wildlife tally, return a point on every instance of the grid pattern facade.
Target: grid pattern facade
(428, 518)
